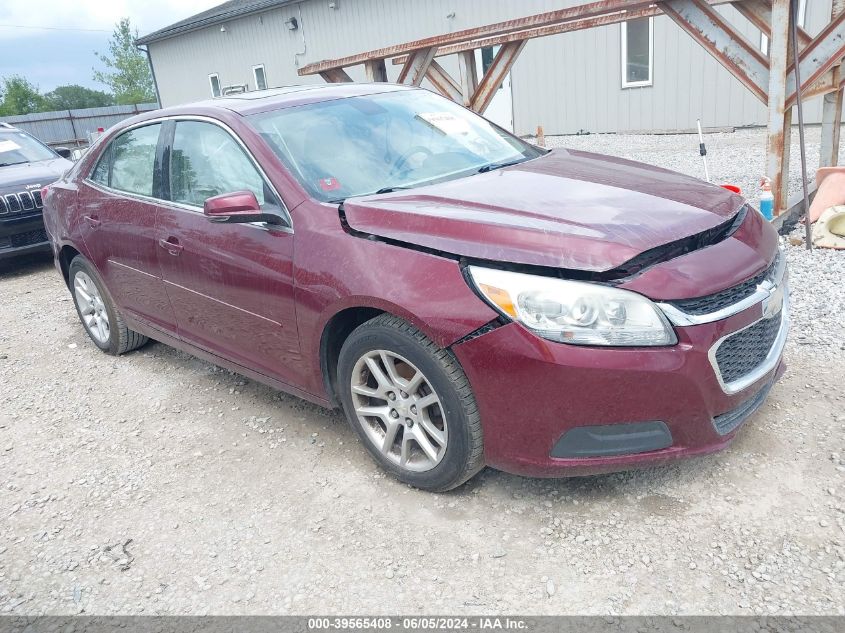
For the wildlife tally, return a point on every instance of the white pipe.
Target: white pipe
(702, 150)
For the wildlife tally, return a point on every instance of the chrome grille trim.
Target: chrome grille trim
(764, 289)
(4, 208)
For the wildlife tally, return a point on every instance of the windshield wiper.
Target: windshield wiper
(492, 166)
(387, 190)
(21, 162)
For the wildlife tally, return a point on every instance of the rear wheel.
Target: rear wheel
(411, 404)
(97, 311)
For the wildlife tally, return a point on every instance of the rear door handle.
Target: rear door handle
(92, 220)
(171, 245)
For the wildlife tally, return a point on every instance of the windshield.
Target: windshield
(18, 147)
(376, 143)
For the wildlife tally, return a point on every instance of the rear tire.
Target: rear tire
(97, 311)
(411, 404)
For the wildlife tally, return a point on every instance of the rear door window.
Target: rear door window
(133, 155)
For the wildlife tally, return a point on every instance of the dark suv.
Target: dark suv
(26, 165)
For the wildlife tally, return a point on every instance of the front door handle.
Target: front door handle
(92, 220)
(171, 245)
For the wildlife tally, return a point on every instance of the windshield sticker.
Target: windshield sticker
(329, 184)
(446, 122)
(8, 146)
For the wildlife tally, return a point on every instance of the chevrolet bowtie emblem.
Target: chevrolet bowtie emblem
(774, 302)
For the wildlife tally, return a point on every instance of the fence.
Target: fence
(74, 127)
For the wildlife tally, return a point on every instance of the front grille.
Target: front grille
(743, 352)
(724, 298)
(29, 238)
(20, 202)
(27, 202)
(730, 421)
(14, 203)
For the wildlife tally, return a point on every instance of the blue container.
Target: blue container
(767, 206)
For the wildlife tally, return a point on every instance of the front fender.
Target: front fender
(335, 271)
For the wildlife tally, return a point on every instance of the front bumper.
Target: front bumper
(23, 234)
(532, 392)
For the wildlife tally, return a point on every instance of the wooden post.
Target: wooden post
(416, 66)
(469, 75)
(780, 118)
(832, 109)
(375, 70)
(335, 76)
(443, 82)
(541, 137)
(495, 75)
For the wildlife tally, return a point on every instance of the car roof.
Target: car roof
(277, 98)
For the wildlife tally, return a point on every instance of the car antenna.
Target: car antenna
(702, 150)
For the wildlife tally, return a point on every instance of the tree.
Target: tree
(18, 96)
(130, 78)
(73, 97)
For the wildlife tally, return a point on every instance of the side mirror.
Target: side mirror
(64, 152)
(238, 207)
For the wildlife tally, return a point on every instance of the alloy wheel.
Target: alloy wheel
(91, 307)
(399, 410)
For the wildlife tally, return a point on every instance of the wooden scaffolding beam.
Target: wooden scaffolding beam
(771, 78)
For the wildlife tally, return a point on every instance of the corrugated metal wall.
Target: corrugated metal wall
(572, 81)
(566, 82)
(67, 126)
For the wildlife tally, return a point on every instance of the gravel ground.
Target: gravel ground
(156, 483)
(737, 158)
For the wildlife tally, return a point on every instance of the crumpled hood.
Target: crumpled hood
(13, 177)
(567, 209)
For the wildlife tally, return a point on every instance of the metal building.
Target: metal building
(645, 74)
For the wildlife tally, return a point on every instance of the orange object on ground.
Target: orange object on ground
(831, 190)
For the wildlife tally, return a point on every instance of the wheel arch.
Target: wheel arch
(335, 332)
(357, 309)
(66, 255)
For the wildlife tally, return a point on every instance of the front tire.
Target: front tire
(97, 311)
(411, 404)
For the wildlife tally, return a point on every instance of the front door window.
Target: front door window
(206, 161)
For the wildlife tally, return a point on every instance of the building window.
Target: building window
(802, 13)
(260, 77)
(802, 22)
(488, 56)
(214, 80)
(637, 52)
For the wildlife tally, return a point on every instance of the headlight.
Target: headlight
(574, 311)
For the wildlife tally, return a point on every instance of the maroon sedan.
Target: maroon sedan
(466, 297)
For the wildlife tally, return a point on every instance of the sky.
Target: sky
(52, 42)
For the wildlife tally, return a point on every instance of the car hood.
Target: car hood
(40, 173)
(566, 209)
